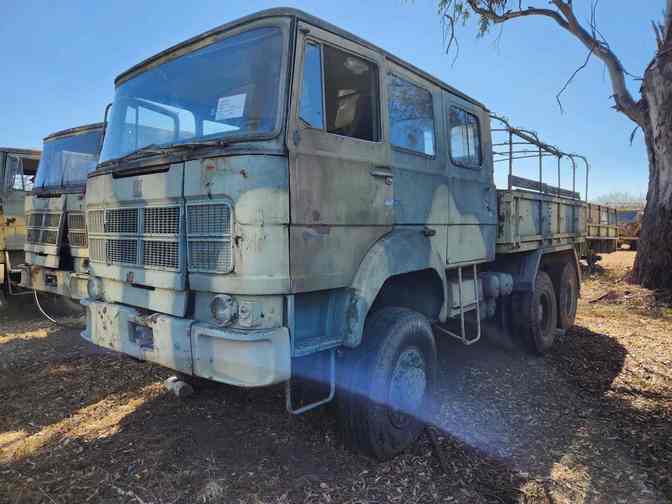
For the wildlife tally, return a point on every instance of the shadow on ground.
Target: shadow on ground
(92, 426)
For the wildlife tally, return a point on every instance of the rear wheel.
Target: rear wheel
(538, 315)
(386, 385)
(568, 296)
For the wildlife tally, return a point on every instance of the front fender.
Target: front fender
(400, 251)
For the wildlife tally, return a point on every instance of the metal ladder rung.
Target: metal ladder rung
(463, 336)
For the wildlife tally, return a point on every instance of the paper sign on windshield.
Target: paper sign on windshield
(229, 107)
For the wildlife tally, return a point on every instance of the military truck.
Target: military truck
(17, 169)
(278, 200)
(56, 248)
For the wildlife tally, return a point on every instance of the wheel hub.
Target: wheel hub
(407, 387)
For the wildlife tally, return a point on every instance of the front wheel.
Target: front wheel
(387, 384)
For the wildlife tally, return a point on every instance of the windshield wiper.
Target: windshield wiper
(161, 149)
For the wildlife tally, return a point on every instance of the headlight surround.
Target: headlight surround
(94, 288)
(224, 309)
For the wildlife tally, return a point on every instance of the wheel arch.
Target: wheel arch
(399, 258)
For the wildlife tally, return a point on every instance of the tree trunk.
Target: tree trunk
(653, 265)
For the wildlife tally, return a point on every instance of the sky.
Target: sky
(59, 61)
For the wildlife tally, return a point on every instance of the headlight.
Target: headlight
(94, 288)
(224, 309)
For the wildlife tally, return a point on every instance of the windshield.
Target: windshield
(227, 89)
(67, 160)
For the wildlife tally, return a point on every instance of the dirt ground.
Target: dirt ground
(590, 423)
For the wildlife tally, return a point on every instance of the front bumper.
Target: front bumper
(250, 358)
(62, 283)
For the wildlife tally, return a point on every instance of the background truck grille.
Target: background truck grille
(209, 237)
(43, 228)
(77, 230)
(118, 236)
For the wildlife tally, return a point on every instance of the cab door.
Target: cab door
(13, 204)
(341, 184)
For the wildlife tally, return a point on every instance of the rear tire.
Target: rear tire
(568, 296)
(386, 385)
(538, 315)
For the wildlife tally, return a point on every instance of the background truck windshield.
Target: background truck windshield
(226, 89)
(66, 161)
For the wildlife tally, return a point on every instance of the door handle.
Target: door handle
(383, 172)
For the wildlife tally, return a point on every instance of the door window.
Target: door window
(465, 138)
(340, 96)
(411, 116)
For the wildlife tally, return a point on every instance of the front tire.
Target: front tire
(538, 315)
(387, 383)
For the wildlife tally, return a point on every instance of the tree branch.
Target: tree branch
(564, 16)
(624, 101)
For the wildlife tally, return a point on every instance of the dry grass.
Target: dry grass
(592, 422)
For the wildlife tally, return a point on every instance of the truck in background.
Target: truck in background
(17, 169)
(56, 248)
(313, 208)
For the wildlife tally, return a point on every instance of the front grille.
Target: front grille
(33, 236)
(209, 237)
(77, 239)
(52, 220)
(117, 236)
(212, 219)
(43, 228)
(96, 220)
(210, 256)
(160, 254)
(121, 251)
(35, 219)
(76, 221)
(159, 220)
(97, 250)
(121, 220)
(49, 237)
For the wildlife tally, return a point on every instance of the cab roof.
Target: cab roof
(302, 16)
(28, 153)
(77, 130)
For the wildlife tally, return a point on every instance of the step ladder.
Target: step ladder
(462, 337)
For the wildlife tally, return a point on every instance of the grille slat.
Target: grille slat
(121, 220)
(161, 254)
(209, 219)
(76, 221)
(96, 220)
(162, 220)
(35, 220)
(52, 220)
(77, 239)
(213, 256)
(121, 251)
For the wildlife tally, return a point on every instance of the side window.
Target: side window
(311, 89)
(465, 138)
(411, 116)
(340, 95)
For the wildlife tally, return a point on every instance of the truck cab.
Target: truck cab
(56, 249)
(17, 169)
(278, 200)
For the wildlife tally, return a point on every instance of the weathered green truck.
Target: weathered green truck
(56, 248)
(278, 200)
(17, 168)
